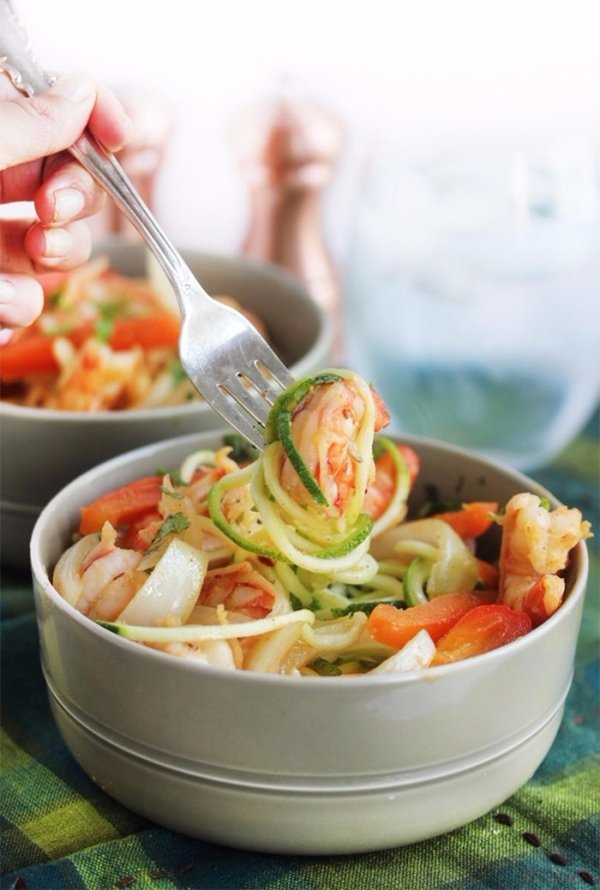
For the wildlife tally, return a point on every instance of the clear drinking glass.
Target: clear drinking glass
(472, 296)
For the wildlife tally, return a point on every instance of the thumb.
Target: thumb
(42, 125)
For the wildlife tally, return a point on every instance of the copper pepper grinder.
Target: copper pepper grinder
(287, 150)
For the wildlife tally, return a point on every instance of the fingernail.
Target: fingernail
(7, 291)
(74, 87)
(57, 242)
(68, 203)
(5, 335)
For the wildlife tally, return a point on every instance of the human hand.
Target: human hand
(34, 166)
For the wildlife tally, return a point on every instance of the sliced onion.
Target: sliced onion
(171, 591)
(417, 653)
(67, 573)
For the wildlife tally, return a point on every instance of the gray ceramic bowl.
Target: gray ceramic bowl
(43, 449)
(301, 765)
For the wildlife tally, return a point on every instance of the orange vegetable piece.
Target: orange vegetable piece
(395, 627)
(121, 506)
(488, 574)
(473, 520)
(31, 355)
(481, 629)
(148, 331)
(34, 354)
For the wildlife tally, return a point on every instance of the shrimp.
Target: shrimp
(240, 588)
(117, 594)
(100, 568)
(381, 489)
(535, 546)
(324, 428)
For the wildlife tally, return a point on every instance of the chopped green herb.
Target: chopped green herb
(170, 492)
(315, 604)
(366, 607)
(325, 668)
(295, 602)
(176, 371)
(107, 314)
(173, 524)
(104, 328)
(176, 478)
(54, 299)
(174, 475)
(436, 504)
(368, 663)
(242, 450)
(545, 503)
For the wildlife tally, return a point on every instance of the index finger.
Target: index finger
(39, 126)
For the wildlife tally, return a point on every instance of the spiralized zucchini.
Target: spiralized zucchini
(306, 535)
(287, 563)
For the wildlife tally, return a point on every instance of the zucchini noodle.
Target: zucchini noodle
(300, 561)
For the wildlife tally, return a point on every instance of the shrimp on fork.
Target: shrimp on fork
(535, 546)
(325, 426)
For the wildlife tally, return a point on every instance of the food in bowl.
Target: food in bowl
(104, 342)
(303, 764)
(303, 561)
(74, 441)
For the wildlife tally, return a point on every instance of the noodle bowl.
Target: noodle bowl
(292, 763)
(43, 449)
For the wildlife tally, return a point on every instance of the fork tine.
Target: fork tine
(248, 398)
(262, 352)
(236, 416)
(264, 385)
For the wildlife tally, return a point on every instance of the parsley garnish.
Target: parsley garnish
(176, 478)
(241, 450)
(436, 504)
(107, 314)
(173, 524)
(295, 602)
(170, 492)
(176, 371)
(174, 475)
(366, 607)
(325, 668)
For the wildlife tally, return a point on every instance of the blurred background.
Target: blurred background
(427, 73)
(396, 84)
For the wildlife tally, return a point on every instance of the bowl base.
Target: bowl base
(303, 823)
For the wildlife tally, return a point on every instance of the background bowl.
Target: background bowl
(44, 449)
(302, 765)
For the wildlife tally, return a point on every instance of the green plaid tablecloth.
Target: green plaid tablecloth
(59, 830)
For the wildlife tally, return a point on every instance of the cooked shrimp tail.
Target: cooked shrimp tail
(536, 543)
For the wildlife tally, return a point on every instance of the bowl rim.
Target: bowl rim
(429, 674)
(317, 348)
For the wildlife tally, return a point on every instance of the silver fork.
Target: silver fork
(226, 359)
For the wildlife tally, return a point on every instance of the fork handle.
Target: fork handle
(17, 59)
